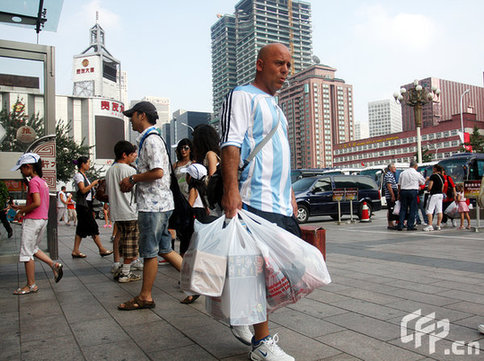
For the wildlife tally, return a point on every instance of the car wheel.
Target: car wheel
(370, 210)
(302, 214)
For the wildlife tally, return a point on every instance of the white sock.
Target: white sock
(126, 268)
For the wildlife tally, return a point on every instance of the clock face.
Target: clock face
(84, 88)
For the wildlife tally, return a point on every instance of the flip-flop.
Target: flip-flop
(32, 289)
(107, 253)
(80, 255)
(58, 272)
(136, 304)
(187, 300)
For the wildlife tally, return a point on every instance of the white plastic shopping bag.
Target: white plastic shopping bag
(243, 301)
(452, 210)
(396, 208)
(205, 262)
(293, 268)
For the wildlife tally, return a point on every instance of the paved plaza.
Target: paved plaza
(379, 278)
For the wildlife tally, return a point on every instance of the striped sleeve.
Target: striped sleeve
(235, 118)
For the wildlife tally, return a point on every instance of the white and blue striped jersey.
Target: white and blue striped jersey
(248, 115)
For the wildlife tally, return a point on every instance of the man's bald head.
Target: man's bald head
(272, 67)
(270, 48)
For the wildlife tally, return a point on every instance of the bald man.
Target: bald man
(249, 113)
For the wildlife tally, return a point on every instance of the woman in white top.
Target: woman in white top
(86, 224)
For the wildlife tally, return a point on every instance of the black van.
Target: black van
(314, 195)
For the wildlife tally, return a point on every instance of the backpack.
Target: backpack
(215, 188)
(448, 189)
(101, 194)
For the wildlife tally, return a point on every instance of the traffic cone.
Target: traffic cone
(365, 214)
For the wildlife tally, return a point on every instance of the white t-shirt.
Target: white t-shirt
(60, 196)
(122, 205)
(79, 178)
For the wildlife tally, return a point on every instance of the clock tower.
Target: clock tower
(95, 71)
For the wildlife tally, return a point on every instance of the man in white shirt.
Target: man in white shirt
(408, 185)
(62, 206)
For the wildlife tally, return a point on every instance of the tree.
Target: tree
(67, 150)
(426, 155)
(476, 141)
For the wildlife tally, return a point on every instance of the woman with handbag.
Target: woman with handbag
(86, 224)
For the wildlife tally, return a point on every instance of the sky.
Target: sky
(376, 46)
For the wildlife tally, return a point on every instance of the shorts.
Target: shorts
(435, 203)
(288, 223)
(154, 238)
(129, 237)
(32, 232)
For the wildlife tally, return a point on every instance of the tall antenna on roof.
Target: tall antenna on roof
(97, 16)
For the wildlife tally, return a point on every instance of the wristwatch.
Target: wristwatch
(131, 179)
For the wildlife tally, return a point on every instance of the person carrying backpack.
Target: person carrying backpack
(449, 197)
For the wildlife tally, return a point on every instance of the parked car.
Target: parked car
(314, 195)
(297, 174)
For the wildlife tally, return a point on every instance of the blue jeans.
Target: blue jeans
(154, 237)
(408, 198)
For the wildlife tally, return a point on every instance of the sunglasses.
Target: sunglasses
(185, 147)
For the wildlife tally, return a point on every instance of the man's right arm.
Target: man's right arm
(231, 200)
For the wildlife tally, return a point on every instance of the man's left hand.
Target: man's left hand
(126, 185)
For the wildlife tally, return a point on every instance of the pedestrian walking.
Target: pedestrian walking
(408, 185)
(436, 188)
(4, 205)
(248, 114)
(107, 216)
(71, 209)
(154, 200)
(449, 192)
(35, 218)
(124, 214)
(86, 224)
(62, 206)
(391, 194)
(462, 207)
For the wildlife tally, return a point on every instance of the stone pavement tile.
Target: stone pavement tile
(340, 357)
(187, 353)
(98, 332)
(304, 324)
(471, 322)
(9, 345)
(9, 322)
(367, 348)
(454, 285)
(34, 308)
(332, 287)
(443, 350)
(217, 340)
(464, 296)
(186, 322)
(317, 308)
(81, 295)
(424, 288)
(132, 318)
(158, 335)
(371, 309)
(322, 295)
(8, 304)
(354, 283)
(436, 300)
(61, 348)
(458, 276)
(441, 312)
(370, 296)
(84, 311)
(470, 307)
(123, 350)
(44, 328)
(368, 326)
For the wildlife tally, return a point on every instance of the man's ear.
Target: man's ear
(259, 64)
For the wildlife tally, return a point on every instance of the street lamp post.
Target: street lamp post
(462, 116)
(416, 97)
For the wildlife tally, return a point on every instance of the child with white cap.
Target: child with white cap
(35, 217)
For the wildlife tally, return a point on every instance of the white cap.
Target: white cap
(26, 158)
(196, 171)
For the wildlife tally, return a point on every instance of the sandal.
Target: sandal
(189, 299)
(80, 255)
(136, 304)
(58, 272)
(32, 289)
(104, 254)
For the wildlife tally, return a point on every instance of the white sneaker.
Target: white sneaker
(137, 264)
(428, 229)
(269, 351)
(130, 277)
(481, 328)
(453, 223)
(243, 334)
(115, 267)
(438, 228)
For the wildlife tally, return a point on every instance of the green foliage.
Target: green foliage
(476, 141)
(67, 150)
(426, 155)
(3, 195)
